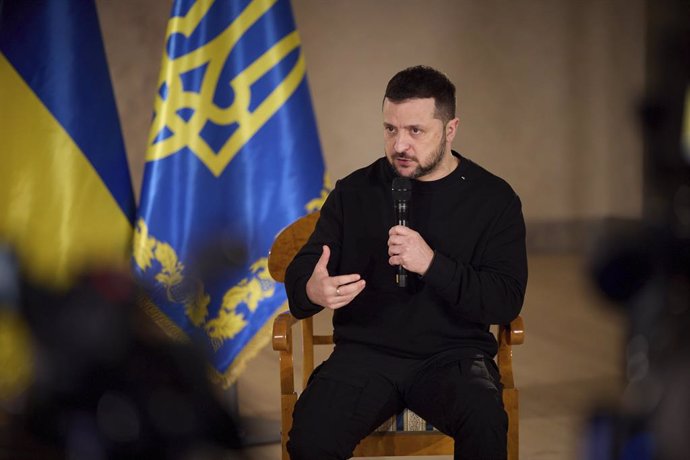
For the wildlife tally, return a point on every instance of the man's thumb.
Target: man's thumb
(323, 260)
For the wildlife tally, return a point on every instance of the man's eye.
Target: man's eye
(416, 130)
(390, 129)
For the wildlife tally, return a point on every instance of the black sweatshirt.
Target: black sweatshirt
(473, 222)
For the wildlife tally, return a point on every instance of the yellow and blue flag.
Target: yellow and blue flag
(66, 201)
(234, 157)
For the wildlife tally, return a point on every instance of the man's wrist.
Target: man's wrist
(433, 256)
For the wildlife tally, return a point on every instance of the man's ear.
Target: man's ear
(452, 129)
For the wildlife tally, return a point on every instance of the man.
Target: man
(426, 346)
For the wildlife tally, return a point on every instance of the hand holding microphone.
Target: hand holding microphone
(406, 247)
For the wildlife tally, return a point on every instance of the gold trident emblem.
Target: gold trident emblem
(213, 55)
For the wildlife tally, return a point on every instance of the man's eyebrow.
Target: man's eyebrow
(414, 125)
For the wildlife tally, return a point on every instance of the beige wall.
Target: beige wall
(547, 88)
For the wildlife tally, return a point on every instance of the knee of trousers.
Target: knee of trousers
(485, 415)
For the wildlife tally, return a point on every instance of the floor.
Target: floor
(570, 362)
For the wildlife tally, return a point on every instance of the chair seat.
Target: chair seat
(406, 421)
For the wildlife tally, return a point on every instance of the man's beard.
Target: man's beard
(423, 170)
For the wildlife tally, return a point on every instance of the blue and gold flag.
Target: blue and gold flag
(66, 201)
(234, 157)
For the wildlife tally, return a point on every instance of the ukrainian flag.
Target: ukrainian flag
(234, 157)
(66, 201)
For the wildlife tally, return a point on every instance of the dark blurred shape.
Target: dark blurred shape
(16, 351)
(611, 435)
(646, 267)
(107, 389)
(9, 277)
(209, 263)
(625, 264)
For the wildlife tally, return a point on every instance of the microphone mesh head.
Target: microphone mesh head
(402, 189)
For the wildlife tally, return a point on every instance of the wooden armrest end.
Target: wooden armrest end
(281, 331)
(517, 331)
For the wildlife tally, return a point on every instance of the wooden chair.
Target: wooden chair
(379, 443)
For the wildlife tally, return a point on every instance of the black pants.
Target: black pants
(357, 389)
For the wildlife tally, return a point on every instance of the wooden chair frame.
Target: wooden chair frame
(378, 443)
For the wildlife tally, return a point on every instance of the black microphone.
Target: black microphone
(402, 191)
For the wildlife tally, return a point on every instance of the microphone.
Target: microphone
(402, 191)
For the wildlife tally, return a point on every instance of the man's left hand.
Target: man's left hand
(407, 248)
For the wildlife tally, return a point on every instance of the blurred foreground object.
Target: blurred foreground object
(16, 359)
(105, 388)
(646, 269)
(16, 350)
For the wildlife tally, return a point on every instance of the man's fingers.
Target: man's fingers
(345, 279)
(395, 250)
(395, 260)
(345, 290)
(345, 294)
(340, 303)
(399, 230)
(394, 240)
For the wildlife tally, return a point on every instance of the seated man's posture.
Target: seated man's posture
(422, 344)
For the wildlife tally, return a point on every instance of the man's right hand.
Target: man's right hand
(332, 292)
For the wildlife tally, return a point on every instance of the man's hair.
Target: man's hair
(421, 82)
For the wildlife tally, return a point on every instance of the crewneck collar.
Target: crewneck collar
(458, 174)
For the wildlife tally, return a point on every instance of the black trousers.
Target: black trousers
(357, 389)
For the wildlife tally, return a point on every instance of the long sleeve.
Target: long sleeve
(490, 289)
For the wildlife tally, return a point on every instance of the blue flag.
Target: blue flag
(66, 201)
(234, 157)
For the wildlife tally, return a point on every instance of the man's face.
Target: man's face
(415, 141)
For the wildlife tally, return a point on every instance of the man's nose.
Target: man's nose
(402, 143)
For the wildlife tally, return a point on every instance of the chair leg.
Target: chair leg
(287, 405)
(510, 402)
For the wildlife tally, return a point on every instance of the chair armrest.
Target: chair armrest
(509, 335)
(281, 331)
(517, 331)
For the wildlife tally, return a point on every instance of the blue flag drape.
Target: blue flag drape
(234, 157)
(66, 201)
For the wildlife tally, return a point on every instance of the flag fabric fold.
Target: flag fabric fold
(234, 157)
(66, 200)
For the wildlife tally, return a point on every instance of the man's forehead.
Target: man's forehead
(409, 111)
